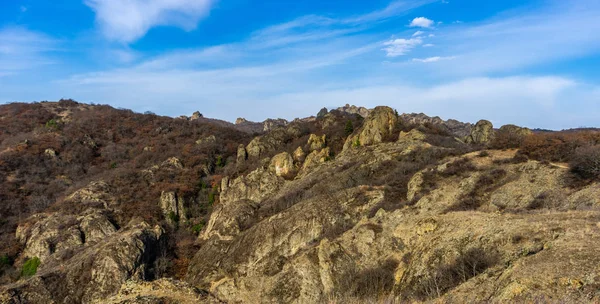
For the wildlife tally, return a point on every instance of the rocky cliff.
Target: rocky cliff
(351, 206)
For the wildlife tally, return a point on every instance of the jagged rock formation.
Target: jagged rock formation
(388, 208)
(482, 133)
(173, 207)
(260, 127)
(94, 272)
(364, 112)
(380, 124)
(452, 126)
(322, 112)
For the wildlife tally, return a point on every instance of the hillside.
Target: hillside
(354, 205)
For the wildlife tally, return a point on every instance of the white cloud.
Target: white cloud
(432, 59)
(421, 22)
(22, 49)
(428, 45)
(399, 47)
(129, 20)
(418, 33)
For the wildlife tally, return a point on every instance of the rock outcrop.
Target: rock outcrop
(282, 165)
(379, 125)
(173, 207)
(362, 111)
(413, 134)
(299, 155)
(316, 142)
(482, 133)
(515, 130)
(242, 155)
(93, 273)
(55, 234)
(452, 126)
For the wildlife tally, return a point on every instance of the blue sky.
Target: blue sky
(534, 63)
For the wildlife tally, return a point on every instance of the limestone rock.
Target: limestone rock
(271, 124)
(173, 163)
(482, 133)
(364, 112)
(379, 125)
(316, 142)
(50, 153)
(413, 134)
(314, 159)
(95, 272)
(44, 236)
(240, 120)
(173, 205)
(515, 130)
(299, 155)
(282, 164)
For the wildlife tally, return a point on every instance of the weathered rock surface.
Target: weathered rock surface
(299, 155)
(173, 206)
(242, 155)
(413, 134)
(282, 165)
(379, 125)
(316, 142)
(482, 133)
(94, 272)
(452, 126)
(362, 111)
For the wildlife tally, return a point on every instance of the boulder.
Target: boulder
(379, 124)
(316, 142)
(50, 153)
(282, 164)
(299, 155)
(482, 133)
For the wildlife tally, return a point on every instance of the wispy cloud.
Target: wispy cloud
(421, 22)
(129, 20)
(399, 47)
(431, 59)
(21, 49)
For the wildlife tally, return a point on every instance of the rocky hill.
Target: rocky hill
(352, 206)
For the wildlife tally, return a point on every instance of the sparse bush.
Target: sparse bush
(197, 228)
(459, 167)
(444, 277)
(5, 260)
(349, 128)
(483, 153)
(586, 162)
(30, 267)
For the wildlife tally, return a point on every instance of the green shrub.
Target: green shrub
(52, 124)
(173, 217)
(220, 161)
(198, 228)
(356, 143)
(30, 267)
(349, 129)
(5, 260)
